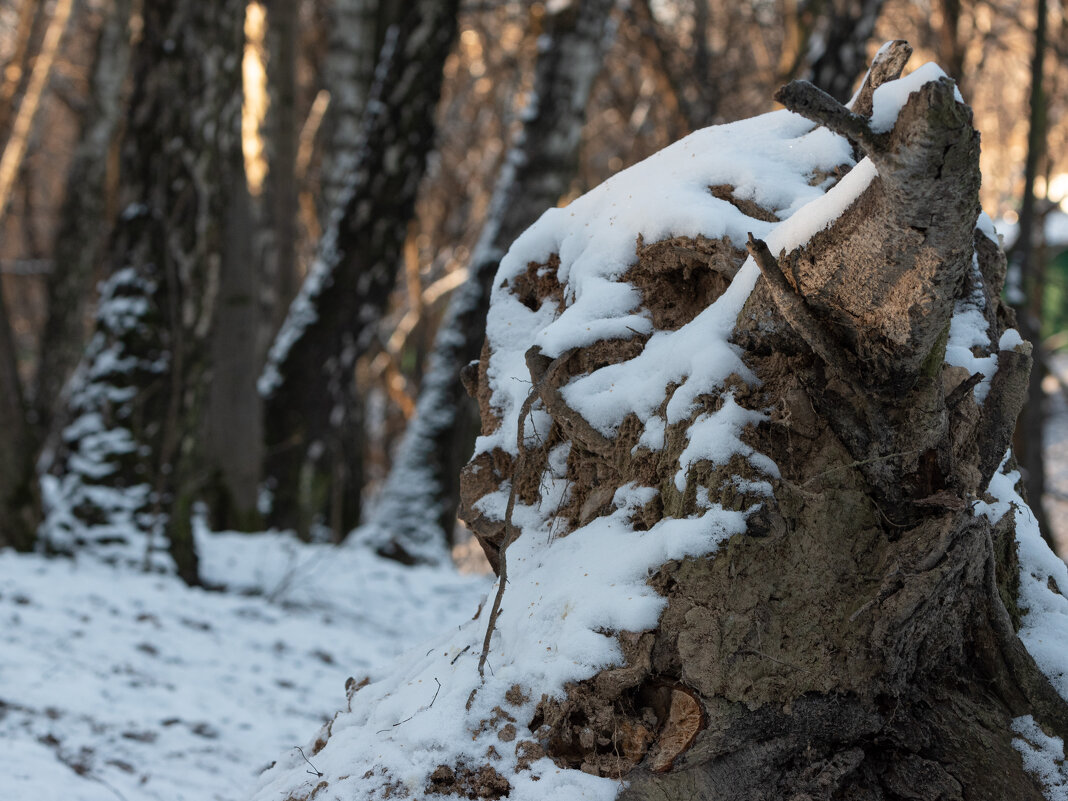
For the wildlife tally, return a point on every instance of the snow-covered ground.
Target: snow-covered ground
(120, 685)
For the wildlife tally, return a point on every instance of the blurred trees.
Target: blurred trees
(386, 186)
(132, 459)
(421, 495)
(314, 411)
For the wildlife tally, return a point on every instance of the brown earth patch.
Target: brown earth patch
(681, 276)
(466, 782)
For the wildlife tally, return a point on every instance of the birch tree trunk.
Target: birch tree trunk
(838, 47)
(416, 513)
(131, 461)
(356, 31)
(313, 462)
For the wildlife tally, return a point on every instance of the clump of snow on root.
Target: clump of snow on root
(567, 597)
(1043, 577)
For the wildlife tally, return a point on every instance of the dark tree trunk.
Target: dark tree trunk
(279, 203)
(131, 462)
(840, 57)
(951, 47)
(85, 217)
(233, 440)
(1027, 276)
(416, 513)
(19, 506)
(313, 462)
(696, 99)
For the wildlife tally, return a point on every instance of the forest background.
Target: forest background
(316, 449)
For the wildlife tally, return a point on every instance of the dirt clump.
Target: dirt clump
(466, 782)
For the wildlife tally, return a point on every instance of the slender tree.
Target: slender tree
(18, 141)
(313, 462)
(130, 465)
(1027, 280)
(354, 40)
(15, 68)
(416, 512)
(85, 216)
(19, 506)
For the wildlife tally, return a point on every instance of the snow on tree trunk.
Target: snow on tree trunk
(756, 530)
(416, 512)
(312, 415)
(348, 70)
(126, 475)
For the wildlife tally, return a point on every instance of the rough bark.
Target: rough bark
(312, 418)
(858, 640)
(416, 513)
(129, 467)
(85, 216)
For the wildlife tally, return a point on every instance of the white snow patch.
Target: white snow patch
(890, 98)
(969, 332)
(566, 600)
(1043, 577)
(1043, 757)
(769, 160)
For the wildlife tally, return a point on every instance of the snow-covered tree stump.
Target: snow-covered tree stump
(743, 474)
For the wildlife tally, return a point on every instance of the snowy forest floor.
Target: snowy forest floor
(120, 685)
